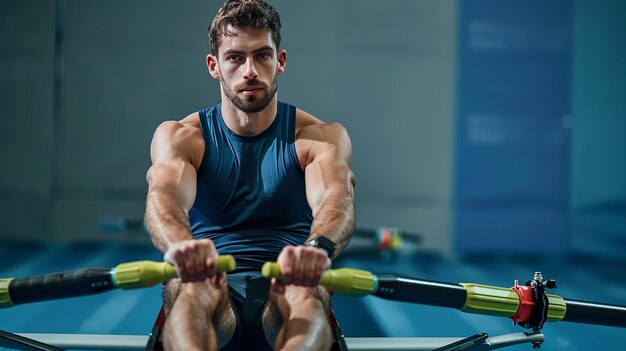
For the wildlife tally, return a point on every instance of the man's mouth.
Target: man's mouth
(251, 90)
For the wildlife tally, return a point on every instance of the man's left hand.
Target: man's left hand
(301, 266)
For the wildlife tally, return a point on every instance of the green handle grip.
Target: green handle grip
(347, 281)
(497, 301)
(142, 274)
(5, 297)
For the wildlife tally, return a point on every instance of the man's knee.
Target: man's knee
(197, 301)
(299, 317)
(205, 294)
(296, 300)
(301, 297)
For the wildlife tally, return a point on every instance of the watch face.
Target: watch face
(322, 243)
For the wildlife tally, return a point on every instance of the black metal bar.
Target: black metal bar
(60, 285)
(421, 291)
(595, 313)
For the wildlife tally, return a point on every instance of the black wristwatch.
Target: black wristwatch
(322, 242)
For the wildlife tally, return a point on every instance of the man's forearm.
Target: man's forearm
(165, 219)
(335, 218)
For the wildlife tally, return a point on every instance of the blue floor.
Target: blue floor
(580, 277)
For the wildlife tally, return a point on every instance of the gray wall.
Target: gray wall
(387, 74)
(127, 66)
(27, 136)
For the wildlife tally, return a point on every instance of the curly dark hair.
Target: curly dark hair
(242, 13)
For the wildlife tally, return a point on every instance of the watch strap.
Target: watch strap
(322, 242)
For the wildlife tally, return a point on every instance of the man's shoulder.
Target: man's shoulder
(311, 127)
(171, 128)
(304, 119)
(183, 133)
(315, 138)
(182, 137)
(191, 121)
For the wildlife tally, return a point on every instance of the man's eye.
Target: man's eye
(264, 55)
(234, 58)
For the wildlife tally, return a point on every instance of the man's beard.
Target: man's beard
(251, 103)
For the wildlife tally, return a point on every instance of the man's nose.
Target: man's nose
(250, 70)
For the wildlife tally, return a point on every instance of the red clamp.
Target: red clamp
(526, 303)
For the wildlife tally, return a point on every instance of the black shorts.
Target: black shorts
(248, 297)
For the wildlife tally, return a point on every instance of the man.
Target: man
(255, 178)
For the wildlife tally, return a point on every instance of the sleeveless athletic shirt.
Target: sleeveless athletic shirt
(250, 197)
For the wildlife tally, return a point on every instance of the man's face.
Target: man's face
(248, 66)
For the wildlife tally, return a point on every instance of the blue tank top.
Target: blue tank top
(251, 198)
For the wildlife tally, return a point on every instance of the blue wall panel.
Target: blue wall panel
(513, 125)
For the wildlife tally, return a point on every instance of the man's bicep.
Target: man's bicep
(172, 170)
(166, 142)
(329, 172)
(175, 177)
(326, 179)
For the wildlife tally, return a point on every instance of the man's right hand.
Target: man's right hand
(195, 260)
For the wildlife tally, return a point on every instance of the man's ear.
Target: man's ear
(211, 63)
(282, 61)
